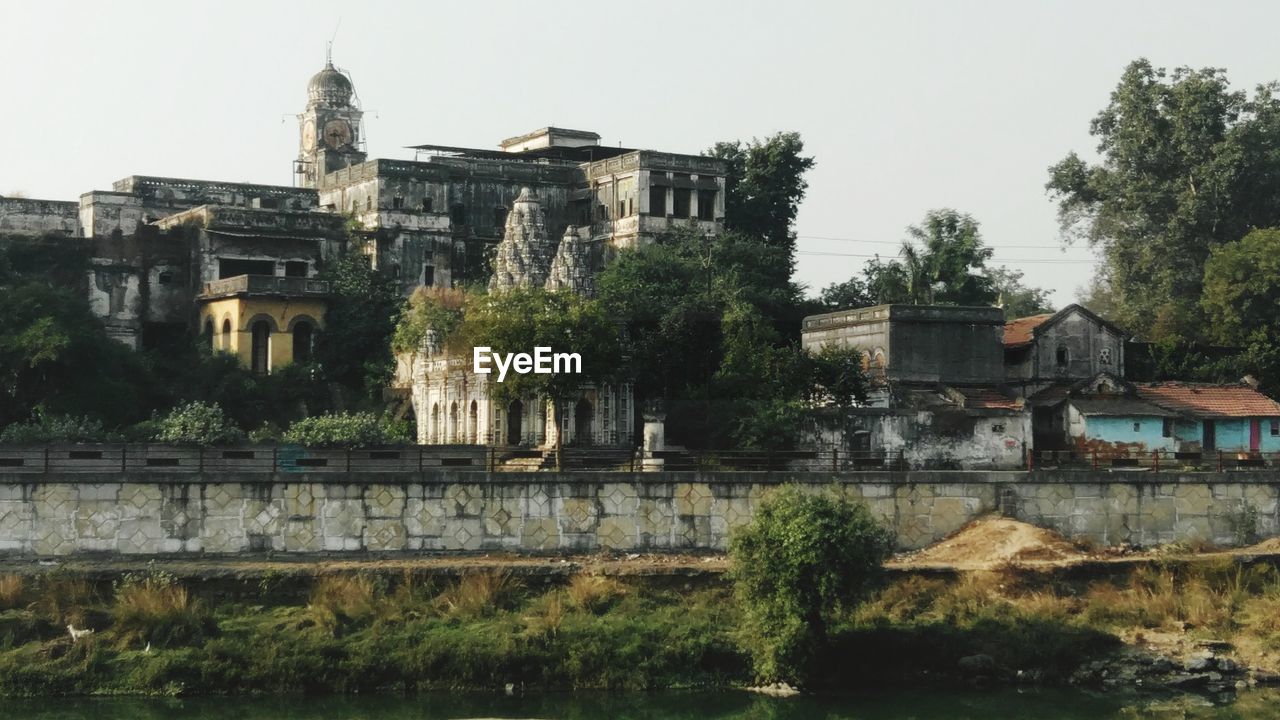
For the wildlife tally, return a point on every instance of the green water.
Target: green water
(913, 704)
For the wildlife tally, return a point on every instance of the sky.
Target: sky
(906, 106)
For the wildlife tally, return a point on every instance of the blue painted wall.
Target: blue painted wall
(1150, 432)
(1232, 434)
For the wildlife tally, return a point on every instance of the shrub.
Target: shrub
(593, 593)
(10, 591)
(341, 601)
(803, 557)
(152, 608)
(55, 428)
(346, 429)
(476, 594)
(197, 423)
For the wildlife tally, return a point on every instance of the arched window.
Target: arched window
(208, 331)
(453, 423)
(435, 423)
(261, 349)
(302, 342)
(225, 343)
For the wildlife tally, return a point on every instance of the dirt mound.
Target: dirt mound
(991, 541)
(1270, 546)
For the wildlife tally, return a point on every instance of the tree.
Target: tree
(1186, 165)
(1017, 299)
(764, 187)
(852, 293)
(1241, 295)
(521, 319)
(947, 262)
(354, 348)
(801, 559)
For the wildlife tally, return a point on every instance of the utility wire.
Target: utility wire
(1037, 261)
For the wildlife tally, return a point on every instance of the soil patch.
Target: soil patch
(992, 541)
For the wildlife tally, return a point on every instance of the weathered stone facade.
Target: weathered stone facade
(149, 514)
(431, 221)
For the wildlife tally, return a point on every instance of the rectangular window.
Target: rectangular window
(458, 214)
(1137, 427)
(295, 268)
(622, 208)
(397, 203)
(426, 204)
(602, 212)
(429, 275)
(1167, 429)
(658, 201)
(683, 196)
(706, 204)
(1275, 428)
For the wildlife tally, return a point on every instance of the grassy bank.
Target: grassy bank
(364, 632)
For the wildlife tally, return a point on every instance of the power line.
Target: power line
(897, 242)
(1037, 261)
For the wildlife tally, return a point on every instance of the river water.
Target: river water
(914, 704)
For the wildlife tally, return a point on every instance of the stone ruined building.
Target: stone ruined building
(453, 404)
(237, 262)
(938, 395)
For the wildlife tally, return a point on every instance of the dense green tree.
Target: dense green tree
(521, 319)
(802, 559)
(765, 184)
(1241, 297)
(1186, 164)
(945, 261)
(1018, 299)
(354, 348)
(852, 293)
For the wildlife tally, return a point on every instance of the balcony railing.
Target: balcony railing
(265, 285)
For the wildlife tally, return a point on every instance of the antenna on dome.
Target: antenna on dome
(328, 52)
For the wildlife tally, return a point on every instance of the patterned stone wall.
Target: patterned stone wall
(541, 512)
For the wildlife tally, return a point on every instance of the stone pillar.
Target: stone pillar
(655, 440)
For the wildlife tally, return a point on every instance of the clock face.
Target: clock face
(337, 133)
(309, 135)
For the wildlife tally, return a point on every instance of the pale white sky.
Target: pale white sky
(907, 106)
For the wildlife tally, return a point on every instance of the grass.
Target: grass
(361, 632)
(11, 587)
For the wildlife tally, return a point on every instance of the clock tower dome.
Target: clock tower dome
(329, 129)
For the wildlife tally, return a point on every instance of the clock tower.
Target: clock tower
(330, 131)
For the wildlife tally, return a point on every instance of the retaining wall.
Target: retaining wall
(142, 514)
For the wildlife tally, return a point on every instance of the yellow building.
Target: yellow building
(266, 321)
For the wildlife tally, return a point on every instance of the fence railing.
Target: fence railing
(250, 458)
(149, 458)
(1153, 460)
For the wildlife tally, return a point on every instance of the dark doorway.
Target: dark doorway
(302, 342)
(582, 414)
(295, 268)
(1210, 436)
(473, 421)
(261, 349)
(515, 419)
(208, 331)
(1255, 435)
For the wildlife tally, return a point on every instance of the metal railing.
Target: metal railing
(128, 458)
(1153, 460)
(266, 285)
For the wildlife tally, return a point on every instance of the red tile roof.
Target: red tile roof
(989, 399)
(1018, 331)
(1208, 400)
